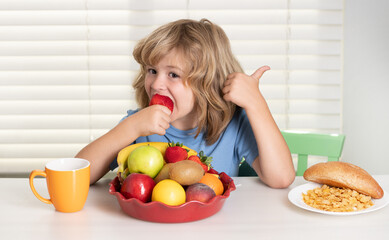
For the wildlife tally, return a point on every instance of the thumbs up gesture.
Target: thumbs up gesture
(242, 89)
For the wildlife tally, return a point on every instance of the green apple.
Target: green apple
(145, 159)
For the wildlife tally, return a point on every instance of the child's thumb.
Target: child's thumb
(259, 72)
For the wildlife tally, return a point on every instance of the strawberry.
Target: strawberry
(203, 160)
(175, 153)
(162, 100)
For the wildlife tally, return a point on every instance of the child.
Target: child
(217, 108)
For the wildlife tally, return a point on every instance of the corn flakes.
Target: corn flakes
(335, 199)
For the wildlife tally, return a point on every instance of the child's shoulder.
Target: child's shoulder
(129, 113)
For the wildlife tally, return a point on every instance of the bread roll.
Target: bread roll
(341, 174)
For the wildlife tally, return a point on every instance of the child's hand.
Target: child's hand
(151, 120)
(242, 89)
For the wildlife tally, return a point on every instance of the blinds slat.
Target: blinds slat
(168, 4)
(47, 136)
(314, 92)
(42, 136)
(45, 150)
(73, 33)
(314, 32)
(314, 62)
(296, 107)
(125, 63)
(265, 4)
(63, 121)
(37, 107)
(312, 121)
(315, 77)
(124, 48)
(72, 63)
(120, 107)
(124, 33)
(280, 16)
(71, 78)
(138, 5)
(66, 92)
(310, 47)
(314, 107)
(318, 92)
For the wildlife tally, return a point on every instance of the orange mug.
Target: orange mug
(67, 181)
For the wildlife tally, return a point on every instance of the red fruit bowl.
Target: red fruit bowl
(160, 212)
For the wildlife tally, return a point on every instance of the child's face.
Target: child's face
(168, 78)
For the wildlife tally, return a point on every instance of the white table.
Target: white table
(253, 211)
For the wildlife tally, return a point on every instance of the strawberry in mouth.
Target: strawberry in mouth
(162, 100)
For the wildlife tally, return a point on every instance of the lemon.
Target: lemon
(169, 192)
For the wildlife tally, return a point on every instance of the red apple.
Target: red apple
(199, 192)
(138, 185)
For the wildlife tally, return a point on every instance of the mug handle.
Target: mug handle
(32, 176)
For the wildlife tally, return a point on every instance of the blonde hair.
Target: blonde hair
(208, 55)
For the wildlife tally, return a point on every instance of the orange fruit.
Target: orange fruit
(214, 182)
(169, 192)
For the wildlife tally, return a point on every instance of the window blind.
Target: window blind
(66, 66)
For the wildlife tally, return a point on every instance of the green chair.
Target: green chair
(305, 144)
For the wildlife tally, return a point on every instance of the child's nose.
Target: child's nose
(159, 83)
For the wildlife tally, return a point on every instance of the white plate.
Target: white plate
(295, 197)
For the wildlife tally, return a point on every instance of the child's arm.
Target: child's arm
(274, 164)
(101, 152)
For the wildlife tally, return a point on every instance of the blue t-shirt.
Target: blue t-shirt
(236, 142)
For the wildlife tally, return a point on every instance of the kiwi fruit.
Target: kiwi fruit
(186, 172)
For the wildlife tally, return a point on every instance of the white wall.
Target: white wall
(366, 84)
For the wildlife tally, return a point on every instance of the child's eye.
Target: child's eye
(173, 75)
(151, 71)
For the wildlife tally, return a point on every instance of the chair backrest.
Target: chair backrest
(314, 144)
(305, 144)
